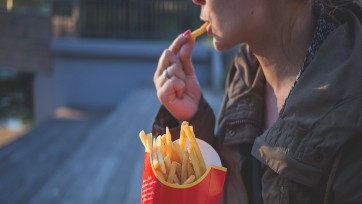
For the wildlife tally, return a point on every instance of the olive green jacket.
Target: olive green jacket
(312, 153)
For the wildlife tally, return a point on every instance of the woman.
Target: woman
(290, 126)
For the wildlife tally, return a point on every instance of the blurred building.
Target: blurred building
(24, 50)
(83, 53)
(126, 19)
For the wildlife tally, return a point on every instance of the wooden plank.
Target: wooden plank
(107, 167)
(37, 156)
(7, 136)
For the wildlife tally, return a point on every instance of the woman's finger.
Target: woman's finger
(167, 58)
(163, 63)
(179, 42)
(182, 47)
(173, 71)
(184, 54)
(160, 81)
(171, 90)
(176, 69)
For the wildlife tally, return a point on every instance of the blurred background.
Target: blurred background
(76, 88)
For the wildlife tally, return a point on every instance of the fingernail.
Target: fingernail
(186, 33)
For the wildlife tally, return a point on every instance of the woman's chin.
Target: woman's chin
(220, 46)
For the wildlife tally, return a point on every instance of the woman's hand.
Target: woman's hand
(177, 86)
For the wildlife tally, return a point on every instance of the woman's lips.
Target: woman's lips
(209, 30)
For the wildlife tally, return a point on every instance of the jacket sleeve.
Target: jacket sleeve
(203, 123)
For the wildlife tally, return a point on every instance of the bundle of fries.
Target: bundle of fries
(173, 161)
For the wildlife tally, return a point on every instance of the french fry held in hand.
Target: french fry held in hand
(196, 33)
(173, 162)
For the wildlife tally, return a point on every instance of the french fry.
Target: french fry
(160, 174)
(155, 163)
(149, 141)
(176, 180)
(177, 149)
(178, 170)
(153, 143)
(194, 162)
(143, 138)
(167, 162)
(183, 138)
(189, 180)
(160, 160)
(184, 123)
(168, 142)
(146, 141)
(190, 170)
(163, 145)
(185, 161)
(191, 136)
(172, 173)
(196, 33)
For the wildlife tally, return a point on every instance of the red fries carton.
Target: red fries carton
(205, 190)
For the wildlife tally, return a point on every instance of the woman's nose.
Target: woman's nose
(199, 2)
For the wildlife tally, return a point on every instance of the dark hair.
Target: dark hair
(338, 9)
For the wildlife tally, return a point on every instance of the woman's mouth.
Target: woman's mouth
(209, 30)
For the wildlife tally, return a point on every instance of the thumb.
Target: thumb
(185, 55)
